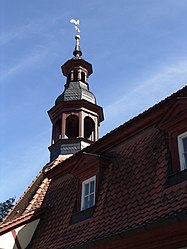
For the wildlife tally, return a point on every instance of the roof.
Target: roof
(133, 126)
(147, 118)
(132, 194)
(132, 189)
(76, 91)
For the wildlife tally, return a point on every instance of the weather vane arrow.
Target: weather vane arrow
(77, 23)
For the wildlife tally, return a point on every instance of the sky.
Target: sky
(138, 50)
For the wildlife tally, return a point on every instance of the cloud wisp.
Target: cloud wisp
(38, 26)
(147, 92)
(18, 33)
(28, 61)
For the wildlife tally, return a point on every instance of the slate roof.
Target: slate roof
(132, 190)
(76, 91)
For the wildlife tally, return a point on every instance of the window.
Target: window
(83, 78)
(72, 126)
(75, 76)
(89, 129)
(58, 130)
(88, 193)
(182, 145)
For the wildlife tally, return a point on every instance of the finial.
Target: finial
(77, 52)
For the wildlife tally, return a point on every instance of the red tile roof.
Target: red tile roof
(31, 199)
(133, 193)
(10, 225)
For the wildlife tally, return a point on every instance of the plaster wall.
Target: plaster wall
(7, 241)
(24, 235)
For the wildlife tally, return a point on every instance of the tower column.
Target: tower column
(79, 74)
(81, 125)
(63, 125)
(72, 77)
(53, 134)
(96, 130)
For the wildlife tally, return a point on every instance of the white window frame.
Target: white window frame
(93, 178)
(183, 165)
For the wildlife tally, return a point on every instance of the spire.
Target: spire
(77, 52)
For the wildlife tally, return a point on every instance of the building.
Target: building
(126, 190)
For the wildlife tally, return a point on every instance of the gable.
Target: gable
(175, 115)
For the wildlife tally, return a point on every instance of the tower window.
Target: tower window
(69, 77)
(75, 75)
(182, 145)
(83, 78)
(72, 126)
(58, 130)
(88, 193)
(89, 128)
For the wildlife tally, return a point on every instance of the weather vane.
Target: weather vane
(77, 23)
(77, 52)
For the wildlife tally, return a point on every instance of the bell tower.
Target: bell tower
(75, 116)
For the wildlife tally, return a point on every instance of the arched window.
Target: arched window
(83, 78)
(58, 130)
(69, 77)
(72, 126)
(75, 76)
(89, 128)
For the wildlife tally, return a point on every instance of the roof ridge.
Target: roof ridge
(94, 146)
(149, 109)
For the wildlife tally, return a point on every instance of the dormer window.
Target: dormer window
(174, 127)
(88, 193)
(88, 171)
(182, 146)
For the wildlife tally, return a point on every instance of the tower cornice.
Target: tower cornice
(75, 105)
(76, 63)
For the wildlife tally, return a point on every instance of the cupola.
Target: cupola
(75, 117)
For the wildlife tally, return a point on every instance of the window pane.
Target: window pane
(185, 160)
(86, 204)
(91, 200)
(88, 193)
(185, 144)
(86, 189)
(92, 186)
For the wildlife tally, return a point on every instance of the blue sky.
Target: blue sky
(138, 49)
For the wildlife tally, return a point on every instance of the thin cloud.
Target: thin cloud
(146, 93)
(31, 28)
(23, 64)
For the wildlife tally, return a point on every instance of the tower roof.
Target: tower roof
(76, 91)
(77, 70)
(77, 60)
